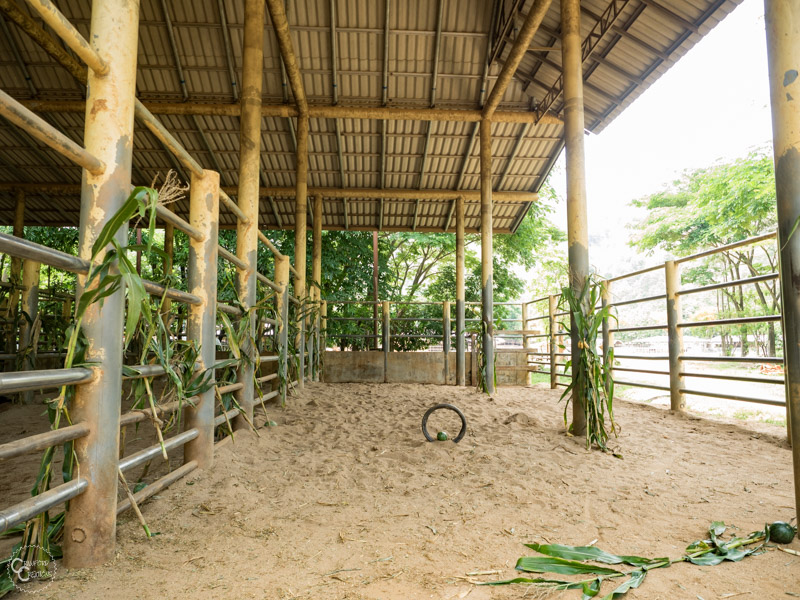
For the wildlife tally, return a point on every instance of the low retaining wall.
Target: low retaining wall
(409, 367)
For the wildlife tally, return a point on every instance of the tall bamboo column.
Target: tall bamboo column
(446, 340)
(577, 226)
(301, 236)
(202, 325)
(674, 335)
(316, 276)
(249, 168)
(783, 50)
(16, 273)
(487, 280)
(91, 521)
(282, 313)
(461, 363)
(28, 331)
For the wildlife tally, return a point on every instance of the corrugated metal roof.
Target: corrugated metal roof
(645, 39)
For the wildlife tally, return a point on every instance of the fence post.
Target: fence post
(525, 340)
(387, 340)
(323, 335)
(446, 340)
(608, 335)
(474, 346)
(299, 312)
(16, 276)
(28, 333)
(202, 322)
(282, 316)
(674, 335)
(91, 521)
(551, 319)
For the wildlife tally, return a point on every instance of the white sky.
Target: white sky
(712, 105)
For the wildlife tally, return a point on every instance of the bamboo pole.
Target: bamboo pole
(674, 335)
(277, 13)
(460, 297)
(577, 226)
(202, 324)
(30, 323)
(384, 113)
(525, 339)
(282, 313)
(301, 237)
(90, 525)
(608, 334)
(551, 319)
(249, 171)
(446, 340)
(469, 196)
(16, 271)
(487, 280)
(518, 51)
(783, 47)
(387, 339)
(316, 278)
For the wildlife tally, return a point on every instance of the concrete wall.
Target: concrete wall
(409, 367)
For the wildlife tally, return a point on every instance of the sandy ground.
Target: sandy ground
(344, 499)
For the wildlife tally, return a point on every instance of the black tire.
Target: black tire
(456, 410)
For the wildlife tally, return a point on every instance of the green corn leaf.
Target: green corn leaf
(581, 553)
(115, 223)
(548, 564)
(635, 580)
(552, 584)
(591, 589)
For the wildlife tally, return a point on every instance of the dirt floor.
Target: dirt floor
(345, 499)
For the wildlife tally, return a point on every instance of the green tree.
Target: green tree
(712, 207)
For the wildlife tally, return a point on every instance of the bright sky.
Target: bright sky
(712, 105)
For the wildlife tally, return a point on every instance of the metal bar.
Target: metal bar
(280, 23)
(156, 450)
(316, 280)
(156, 289)
(90, 524)
(225, 417)
(233, 207)
(21, 381)
(635, 273)
(231, 257)
(139, 415)
(267, 378)
(48, 135)
(27, 509)
(736, 321)
(738, 282)
(639, 328)
(775, 360)
(735, 397)
(521, 43)
(735, 378)
(41, 441)
(552, 305)
(226, 41)
(269, 358)
(639, 300)
(158, 485)
(651, 372)
(71, 36)
(636, 357)
(227, 389)
(167, 139)
(228, 309)
(268, 282)
(176, 221)
(461, 369)
(642, 385)
(748, 241)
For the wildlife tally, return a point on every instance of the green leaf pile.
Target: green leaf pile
(582, 560)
